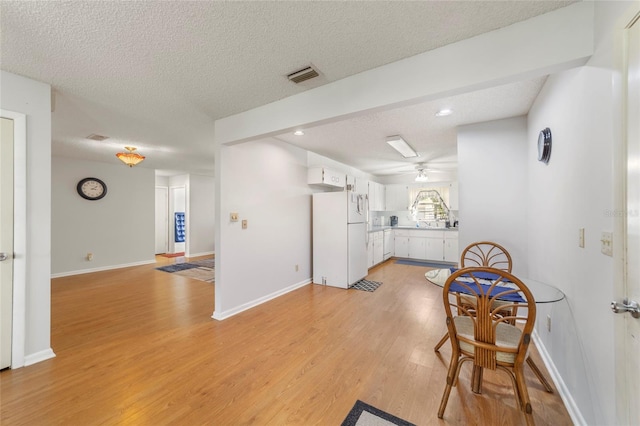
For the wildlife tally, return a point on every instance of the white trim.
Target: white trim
(19, 236)
(102, 268)
(204, 253)
(38, 357)
(231, 312)
(563, 390)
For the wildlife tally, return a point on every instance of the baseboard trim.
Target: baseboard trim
(38, 357)
(231, 312)
(102, 268)
(567, 399)
(204, 253)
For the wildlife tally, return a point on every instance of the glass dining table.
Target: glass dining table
(542, 293)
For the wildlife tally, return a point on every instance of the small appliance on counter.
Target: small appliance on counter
(393, 221)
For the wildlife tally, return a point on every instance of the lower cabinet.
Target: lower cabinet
(375, 253)
(401, 246)
(451, 253)
(426, 244)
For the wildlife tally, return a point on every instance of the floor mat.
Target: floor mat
(366, 285)
(424, 263)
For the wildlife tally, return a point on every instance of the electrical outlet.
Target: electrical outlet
(581, 237)
(234, 217)
(297, 268)
(549, 323)
(244, 224)
(606, 241)
(89, 256)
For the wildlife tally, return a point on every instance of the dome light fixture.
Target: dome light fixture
(130, 158)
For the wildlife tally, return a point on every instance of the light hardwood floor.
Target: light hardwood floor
(138, 346)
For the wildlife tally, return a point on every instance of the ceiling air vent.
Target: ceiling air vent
(98, 138)
(303, 75)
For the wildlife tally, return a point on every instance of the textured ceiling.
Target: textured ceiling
(157, 74)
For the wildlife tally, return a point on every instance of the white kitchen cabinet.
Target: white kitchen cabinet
(453, 196)
(388, 244)
(401, 243)
(451, 253)
(417, 248)
(376, 196)
(424, 244)
(378, 247)
(396, 197)
(325, 177)
(375, 249)
(434, 249)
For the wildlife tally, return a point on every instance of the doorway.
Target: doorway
(6, 240)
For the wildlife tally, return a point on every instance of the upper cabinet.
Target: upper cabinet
(397, 197)
(453, 196)
(325, 177)
(376, 196)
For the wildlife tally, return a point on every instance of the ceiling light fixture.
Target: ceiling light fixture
(130, 158)
(444, 112)
(401, 146)
(422, 175)
(298, 133)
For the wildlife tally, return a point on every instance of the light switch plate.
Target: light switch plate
(581, 237)
(234, 217)
(244, 223)
(606, 241)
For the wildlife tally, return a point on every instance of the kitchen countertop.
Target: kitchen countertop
(382, 228)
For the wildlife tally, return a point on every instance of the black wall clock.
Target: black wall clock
(544, 145)
(91, 188)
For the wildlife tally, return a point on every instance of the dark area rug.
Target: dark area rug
(202, 270)
(363, 414)
(424, 263)
(177, 267)
(366, 285)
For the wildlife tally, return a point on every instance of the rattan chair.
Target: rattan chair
(483, 335)
(481, 253)
(490, 254)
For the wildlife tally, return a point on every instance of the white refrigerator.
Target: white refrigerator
(339, 238)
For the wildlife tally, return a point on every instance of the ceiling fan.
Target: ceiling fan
(423, 169)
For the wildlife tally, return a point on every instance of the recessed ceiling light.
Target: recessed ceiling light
(444, 112)
(298, 133)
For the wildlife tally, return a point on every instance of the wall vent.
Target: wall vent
(303, 75)
(98, 138)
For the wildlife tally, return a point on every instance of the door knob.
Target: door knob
(626, 306)
(3, 256)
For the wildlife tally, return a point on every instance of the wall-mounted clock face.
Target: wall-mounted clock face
(544, 145)
(92, 188)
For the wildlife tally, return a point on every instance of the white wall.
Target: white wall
(32, 98)
(492, 171)
(577, 186)
(265, 182)
(201, 224)
(118, 229)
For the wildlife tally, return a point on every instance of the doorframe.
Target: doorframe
(623, 399)
(18, 337)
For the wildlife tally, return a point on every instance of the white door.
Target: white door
(6, 240)
(628, 348)
(162, 219)
(633, 221)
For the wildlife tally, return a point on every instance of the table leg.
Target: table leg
(476, 379)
